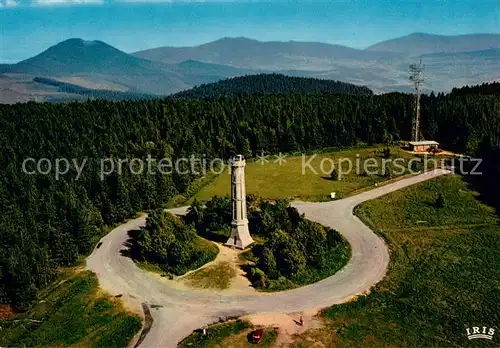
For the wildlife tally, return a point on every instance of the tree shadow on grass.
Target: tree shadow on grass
(431, 204)
(215, 236)
(487, 189)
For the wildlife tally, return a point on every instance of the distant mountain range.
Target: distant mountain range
(451, 61)
(253, 54)
(421, 43)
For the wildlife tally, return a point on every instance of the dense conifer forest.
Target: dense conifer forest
(48, 222)
(271, 84)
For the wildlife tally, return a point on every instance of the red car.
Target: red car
(257, 335)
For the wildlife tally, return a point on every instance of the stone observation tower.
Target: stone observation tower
(240, 236)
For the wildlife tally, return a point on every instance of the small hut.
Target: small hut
(423, 146)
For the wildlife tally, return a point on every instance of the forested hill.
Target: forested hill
(48, 220)
(272, 84)
(89, 93)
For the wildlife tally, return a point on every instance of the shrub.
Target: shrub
(386, 153)
(414, 166)
(216, 215)
(388, 171)
(440, 202)
(257, 277)
(267, 262)
(282, 283)
(334, 175)
(363, 173)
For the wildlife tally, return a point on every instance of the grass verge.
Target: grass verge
(217, 276)
(72, 313)
(234, 334)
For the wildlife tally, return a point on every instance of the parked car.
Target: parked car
(257, 335)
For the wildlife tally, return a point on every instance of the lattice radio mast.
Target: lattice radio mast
(417, 77)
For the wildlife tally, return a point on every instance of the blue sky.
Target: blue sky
(30, 26)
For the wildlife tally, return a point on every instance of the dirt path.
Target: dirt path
(177, 312)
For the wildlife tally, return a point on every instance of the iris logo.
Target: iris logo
(480, 332)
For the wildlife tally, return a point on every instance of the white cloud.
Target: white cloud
(64, 2)
(8, 3)
(172, 1)
(166, 1)
(144, 1)
(12, 3)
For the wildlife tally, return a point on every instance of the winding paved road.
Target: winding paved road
(178, 312)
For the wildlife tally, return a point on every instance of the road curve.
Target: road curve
(177, 312)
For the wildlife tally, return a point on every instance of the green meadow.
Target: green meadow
(307, 177)
(73, 312)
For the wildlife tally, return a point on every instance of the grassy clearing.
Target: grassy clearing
(72, 313)
(217, 276)
(415, 207)
(193, 188)
(272, 180)
(232, 334)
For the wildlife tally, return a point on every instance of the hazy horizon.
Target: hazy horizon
(30, 27)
